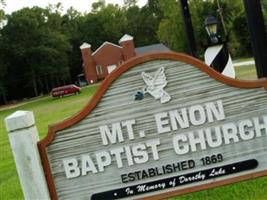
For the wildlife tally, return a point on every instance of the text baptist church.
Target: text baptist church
(98, 64)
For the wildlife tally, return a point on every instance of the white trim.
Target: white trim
(125, 38)
(111, 68)
(99, 70)
(105, 43)
(85, 46)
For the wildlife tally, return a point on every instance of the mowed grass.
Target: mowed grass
(48, 111)
(247, 72)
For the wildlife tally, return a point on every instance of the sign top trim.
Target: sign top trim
(91, 105)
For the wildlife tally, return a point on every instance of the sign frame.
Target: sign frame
(53, 129)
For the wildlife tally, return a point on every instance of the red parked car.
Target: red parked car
(65, 90)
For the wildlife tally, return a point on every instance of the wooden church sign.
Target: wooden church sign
(160, 125)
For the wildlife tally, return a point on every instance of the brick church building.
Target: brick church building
(98, 64)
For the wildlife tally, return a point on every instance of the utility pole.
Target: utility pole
(189, 28)
(257, 34)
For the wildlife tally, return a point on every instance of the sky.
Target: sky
(80, 5)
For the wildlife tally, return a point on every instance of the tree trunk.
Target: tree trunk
(52, 81)
(4, 98)
(57, 81)
(40, 82)
(46, 85)
(34, 84)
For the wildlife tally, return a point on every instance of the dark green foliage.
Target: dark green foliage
(129, 3)
(2, 12)
(142, 23)
(171, 29)
(35, 53)
(240, 29)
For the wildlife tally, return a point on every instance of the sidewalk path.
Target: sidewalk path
(251, 62)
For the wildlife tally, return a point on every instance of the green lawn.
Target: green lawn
(48, 110)
(247, 72)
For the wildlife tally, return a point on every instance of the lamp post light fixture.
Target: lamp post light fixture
(211, 24)
(217, 55)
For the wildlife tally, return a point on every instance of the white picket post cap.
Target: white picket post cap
(19, 120)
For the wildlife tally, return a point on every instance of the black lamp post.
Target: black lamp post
(189, 28)
(258, 35)
(211, 25)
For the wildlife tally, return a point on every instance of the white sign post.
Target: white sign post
(23, 137)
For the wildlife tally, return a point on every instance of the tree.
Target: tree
(171, 30)
(241, 33)
(71, 26)
(33, 51)
(2, 13)
(129, 3)
(231, 11)
(228, 11)
(3, 73)
(99, 5)
(107, 24)
(154, 7)
(3, 90)
(143, 23)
